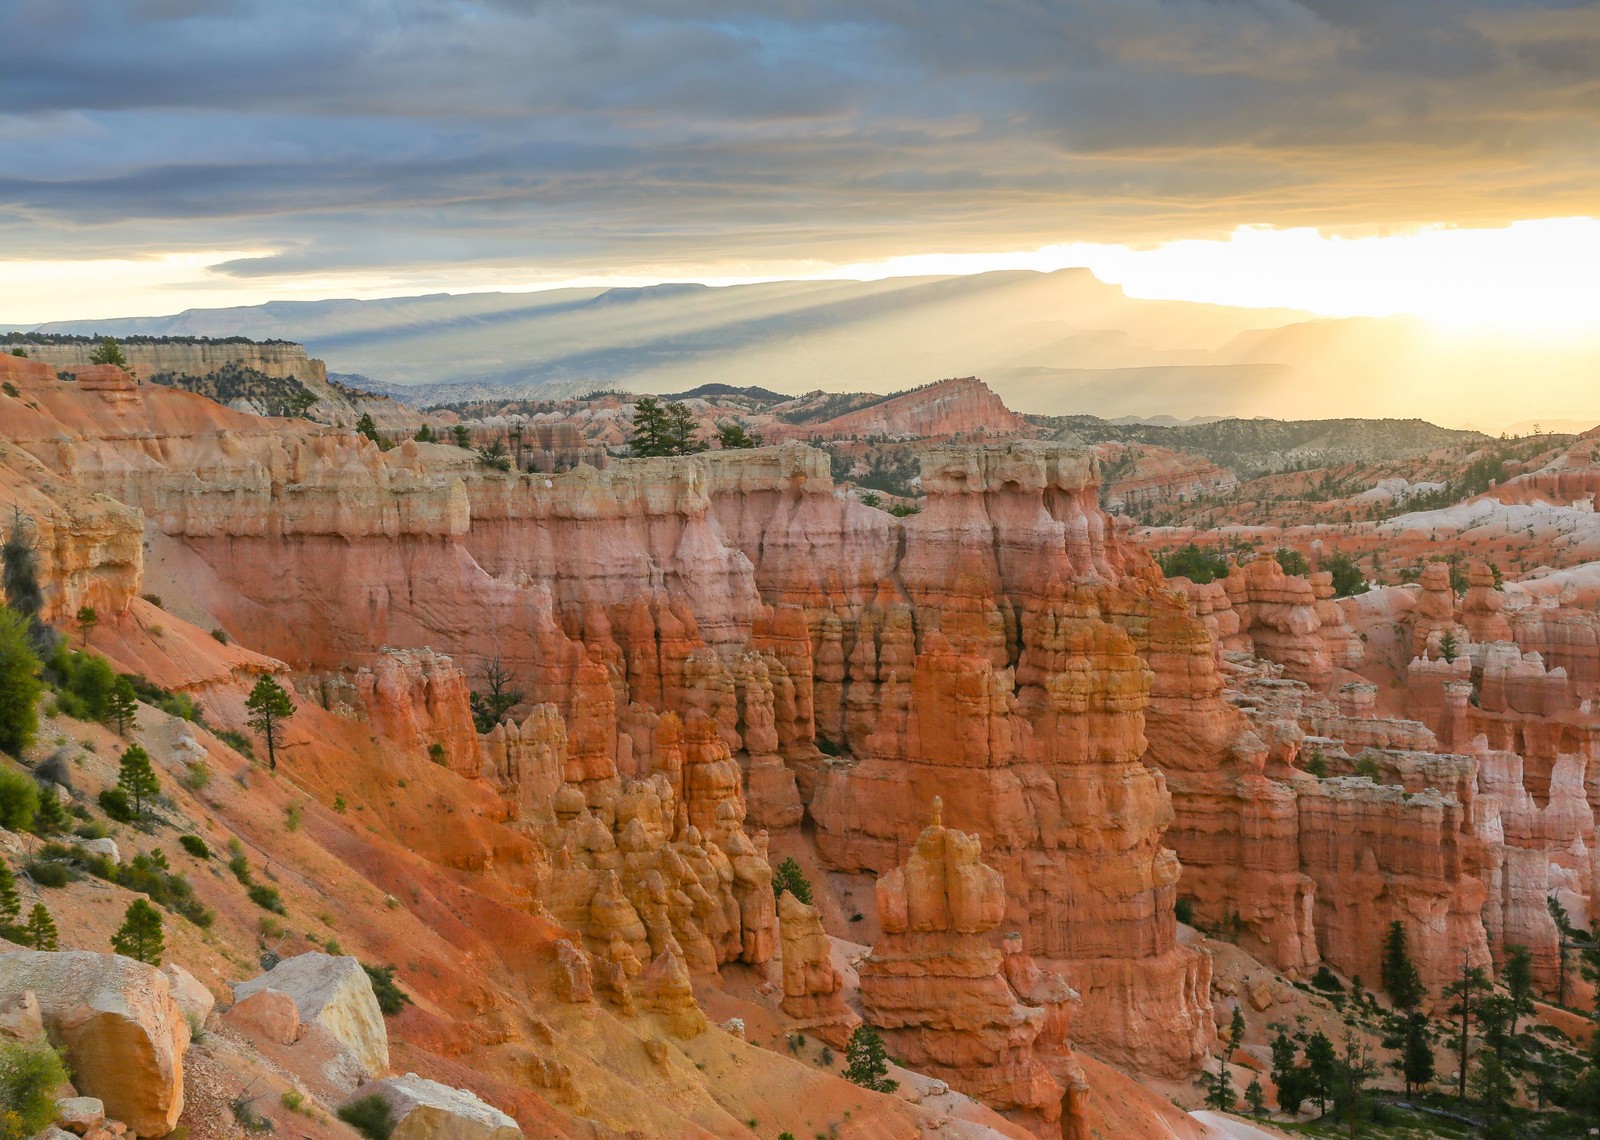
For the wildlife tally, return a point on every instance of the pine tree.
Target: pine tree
(867, 1062)
(1466, 991)
(1219, 1088)
(1495, 1080)
(19, 570)
(461, 436)
(140, 934)
(789, 877)
(136, 776)
(10, 902)
(1351, 1074)
(1409, 1036)
(1401, 979)
(1256, 1097)
(87, 620)
(269, 706)
(108, 352)
(1322, 1065)
(40, 931)
(1518, 979)
(124, 705)
(19, 684)
(650, 434)
(50, 818)
(366, 427)
(1236, 1031)
(681, 430)
(734, 436)
(490, 705)
(1448, 649)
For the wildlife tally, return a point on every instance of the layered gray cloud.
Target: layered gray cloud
(583, 137)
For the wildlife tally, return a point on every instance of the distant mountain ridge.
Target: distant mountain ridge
(1060, 343)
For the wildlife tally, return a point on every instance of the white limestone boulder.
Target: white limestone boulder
(427, 1110)
(335, 995)
(123, 1035)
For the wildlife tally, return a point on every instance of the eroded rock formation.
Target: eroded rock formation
(939, 986)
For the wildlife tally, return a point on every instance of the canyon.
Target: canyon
(994, 716)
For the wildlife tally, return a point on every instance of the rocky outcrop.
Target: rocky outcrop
(418, 698)
(812, 985)
(115, 1020)
(936, 985)
(335, 996)
(949, 407)
(197, 357)
(421, 1109)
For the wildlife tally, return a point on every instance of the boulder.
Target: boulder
(267, 1015)
(20, 1019)
(106, 847)
(115, 1019)
(192, 997)
(80, 1113)
(426, 1110)
(336, 995)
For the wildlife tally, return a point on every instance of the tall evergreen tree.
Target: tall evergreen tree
(366, 427)
(10, 902)
(108, 351)
(789, 877)
(867, 1062)
(650, 434)
(136, 776)
(1322, 1063)
(1467, 992)
(40, 930)
(140, 934)
(1518, 978)
(1409, 1037)
(1286, 1075)
(1495, 1080)
(1401, 980)
(87, 620)
(19, 570)
(269, 706)
(682, 429)
(19, 683)
(123, 708)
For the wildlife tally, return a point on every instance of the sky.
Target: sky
(1439, 157)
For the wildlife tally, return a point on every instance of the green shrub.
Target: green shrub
(195, 846)
(391, 998)
(368, 1116)
(19, 800)
(787, 876)
(1368, 766)
(49, 873)
(237, 741)
(1324, 980)
(29, 1077)
(116, 804)
(83, 682)
(267, 898)
(1197, 563)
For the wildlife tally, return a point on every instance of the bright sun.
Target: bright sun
(1533, 278)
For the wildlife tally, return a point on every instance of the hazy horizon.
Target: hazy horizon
(1346, 160)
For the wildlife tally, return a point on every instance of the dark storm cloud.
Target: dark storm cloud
(587, 136)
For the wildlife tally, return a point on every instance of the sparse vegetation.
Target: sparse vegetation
(140, 934)
(369, 1116)
(391, 998)
(30, 1074)
(787, 876)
